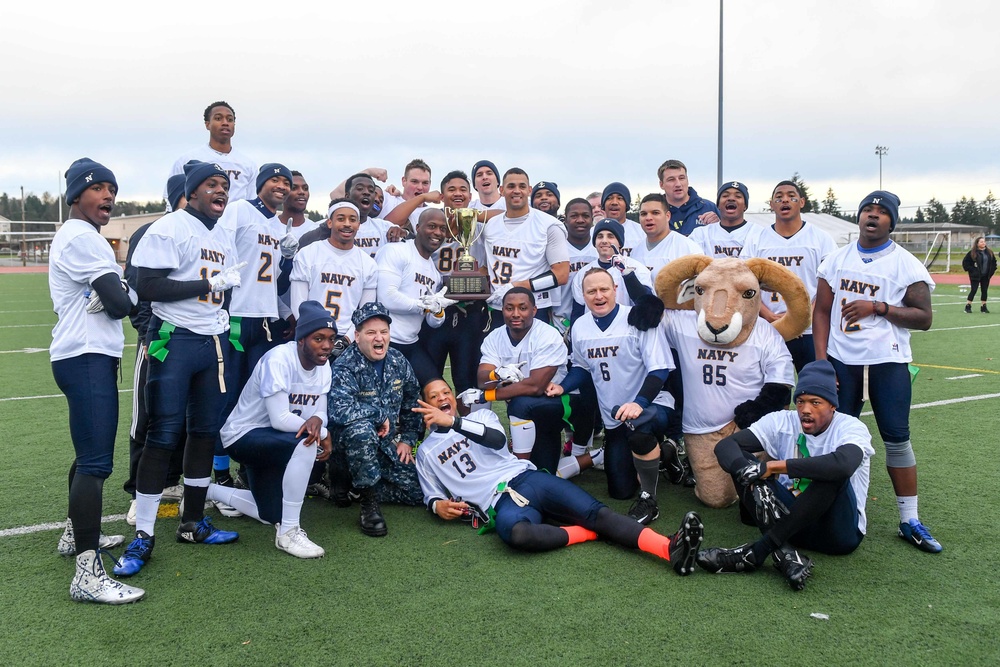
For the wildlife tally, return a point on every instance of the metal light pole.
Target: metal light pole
(880, 151)
(719, 159)
(24, 233)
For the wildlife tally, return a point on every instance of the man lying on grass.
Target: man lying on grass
(464, 465)
(811, 494)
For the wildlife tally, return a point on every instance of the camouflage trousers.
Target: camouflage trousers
(371, 461)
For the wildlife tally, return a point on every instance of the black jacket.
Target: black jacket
(971, 265)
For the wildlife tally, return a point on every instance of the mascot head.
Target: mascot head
(725, 294)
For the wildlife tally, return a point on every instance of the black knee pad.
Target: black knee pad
(642, 443)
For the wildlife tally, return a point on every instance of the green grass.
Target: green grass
(433, 593)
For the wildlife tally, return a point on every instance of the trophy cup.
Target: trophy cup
(465, 282)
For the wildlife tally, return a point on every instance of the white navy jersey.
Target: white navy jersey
(257, 233)
(634, 236)
(182, 243)
(403, 277)
(619, 359)
(578, 258)
(718, 241)
(801, 254)
(717, 379)
(779, 431)
(279, 371)
(621, 292)
(518, 250)
(372, 235)
(336, 278)
(306, 226)
(80, 255)
(498, 205)
(670, 247)
(541, 347)
(873, 339)
(242, 171)
(449, 465)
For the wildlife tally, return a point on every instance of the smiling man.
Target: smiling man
(293, 209)
(810, 492)
(372, 393)
(466, 468)
(660, 245)
(545, 197)
(408, 286)
(615, 201)
(525, 247)
(870, 295)
(186, 262)
(220, 121)
(486, 180)
(336, 273)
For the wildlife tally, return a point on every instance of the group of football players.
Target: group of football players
(314, 355)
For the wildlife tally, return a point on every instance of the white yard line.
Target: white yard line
(949, 401)
(38, 528)
(965, 377)
(975, 326)
(31, 398)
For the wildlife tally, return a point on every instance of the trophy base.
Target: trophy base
(471, 287)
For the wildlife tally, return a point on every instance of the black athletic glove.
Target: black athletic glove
(772, 397)
(751, 473)
(767, 508)
(646, 312)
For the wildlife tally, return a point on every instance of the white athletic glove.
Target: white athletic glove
(94, 304)
(509, 373)
(228, 278)
(470, 397)
(289, 244)
(495, 300)
(618, 261)
(436, 303)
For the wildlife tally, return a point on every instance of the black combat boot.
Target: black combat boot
(372, 521)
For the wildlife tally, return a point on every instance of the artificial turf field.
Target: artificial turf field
(435, 593)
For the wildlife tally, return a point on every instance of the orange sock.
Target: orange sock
(652, 542)
(578, 534)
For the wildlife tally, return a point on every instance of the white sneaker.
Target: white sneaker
(67, 541)
(130, 515)
(597, 456)
(92, 584)
(173, 494)
(226, 510)
(297, 543)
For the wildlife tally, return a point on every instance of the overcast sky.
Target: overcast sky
(577, 92)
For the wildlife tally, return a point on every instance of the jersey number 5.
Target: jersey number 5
(332, 305)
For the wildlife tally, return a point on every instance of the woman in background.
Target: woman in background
(980, 263)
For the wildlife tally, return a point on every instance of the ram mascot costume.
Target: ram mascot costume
(735, 366)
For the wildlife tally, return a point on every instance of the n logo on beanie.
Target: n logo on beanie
(277, 170)
(89, 177)
(876, 200)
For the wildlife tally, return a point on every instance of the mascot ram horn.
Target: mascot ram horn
(725, 295)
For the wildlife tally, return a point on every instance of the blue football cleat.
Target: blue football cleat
(917, 534)
(203, 532)
(137, 554)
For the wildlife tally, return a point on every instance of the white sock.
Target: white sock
(522, 435)
(568, 467)
(197, 481)
(579, 450)
(597, 456)
(293, 486)
(146, 506)
(241, 499)
(907, 508)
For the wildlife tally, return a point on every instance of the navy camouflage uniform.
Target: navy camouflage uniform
(361, 401)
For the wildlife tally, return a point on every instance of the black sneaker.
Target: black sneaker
(372, 521)
(718, 560)
(318, 490)
(644, 510)
(983, 309)
(968, 307)
(684, 544)
(795, 567)
(689, 481)
(203, 532)
(670, 462)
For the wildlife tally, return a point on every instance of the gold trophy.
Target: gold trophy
(465, 282)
